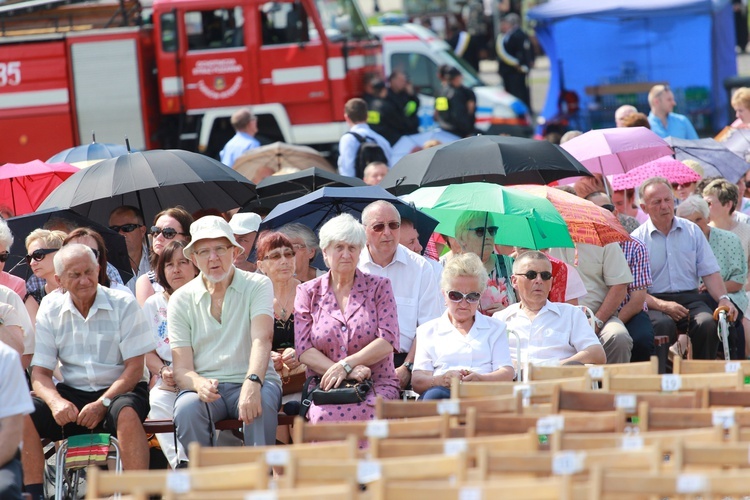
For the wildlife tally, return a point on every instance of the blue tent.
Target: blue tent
(687, 43)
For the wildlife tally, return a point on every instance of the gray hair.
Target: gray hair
(6, 236)
(297, 230)
(344, 228)
(650, 182)
(691, 205)
(530, 255)
(375, 205)
(69, 251)
(466, 264)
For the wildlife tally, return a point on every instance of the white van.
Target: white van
(419, 52)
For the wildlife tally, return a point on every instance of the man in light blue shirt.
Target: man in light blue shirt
(355, 114)
(663, 122)
(246, 126)
(679, 255)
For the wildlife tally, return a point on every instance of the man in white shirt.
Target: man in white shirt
(355, 114)
(410, 239)
(414, 287)
(549, 331)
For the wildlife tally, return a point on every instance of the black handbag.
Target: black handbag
(348, 392)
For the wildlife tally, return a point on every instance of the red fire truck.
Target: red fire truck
(174, 82)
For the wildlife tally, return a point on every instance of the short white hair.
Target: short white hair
(69, 251)
(6, 236)
(344, 228)
(691, 205)
(465, 264)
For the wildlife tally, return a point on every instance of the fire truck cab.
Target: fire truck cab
(296, 62)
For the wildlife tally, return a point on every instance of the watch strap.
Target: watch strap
(347, 367)
(254, 378)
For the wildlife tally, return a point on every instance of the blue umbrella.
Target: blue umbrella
(715, 158)
(315, 209)
(89, 152)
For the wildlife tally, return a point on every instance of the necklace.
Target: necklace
(283, 313)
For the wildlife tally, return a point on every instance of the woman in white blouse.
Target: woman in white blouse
(461, 343)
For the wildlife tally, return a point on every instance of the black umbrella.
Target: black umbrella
(21, 226)
(713, 156)
(315, 209)
(484, 158)
(152, 181)
(280, 188)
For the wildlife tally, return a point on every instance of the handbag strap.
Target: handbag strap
(307, 395)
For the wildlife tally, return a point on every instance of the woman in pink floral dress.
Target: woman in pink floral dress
(345, 324)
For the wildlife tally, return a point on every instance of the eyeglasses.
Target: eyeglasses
(125, 228)
(287, 254)
(380, 226)
(471, 297)
(40, 254)
(609, 206)
(220, 251)
(167, 232)
(531, 275)
(4, 257)
(685, 185)
(480, 231)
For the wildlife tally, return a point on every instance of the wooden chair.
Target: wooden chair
(491, 424)
(620, 484)
(304, 432)
(201, 456)
(692, 366)
(667, 441)
(595, 372)
(680, 418)
(303, 472)
(393, 409)
(671, 382)
(539, 392)
(726, 397)
(328, 492)
(548, 488)
(707, 456)
(170, 484)
(594, 401)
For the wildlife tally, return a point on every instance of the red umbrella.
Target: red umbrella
(24, 186)
(673, 170)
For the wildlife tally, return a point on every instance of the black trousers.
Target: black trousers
(699, 325)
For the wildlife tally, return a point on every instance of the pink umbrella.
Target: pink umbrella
(24, 186)
(617, 150)
(673, 170)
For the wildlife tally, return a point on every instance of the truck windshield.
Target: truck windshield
(471, 78)
(342, 19)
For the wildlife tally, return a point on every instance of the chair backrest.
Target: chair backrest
(171, 484)
(636, 484)
(390, 448)
(548, 488)
(667, 441)
(683, 418)
(534, 392)
(489, 424)
(710, 455)
(690, 366)
(542, 372)
(564, 400)
(392, 409)
(344, 491)
(209, 456)
(726, 397)
(671, 382)
(438, 426)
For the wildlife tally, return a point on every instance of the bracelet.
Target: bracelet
(162, 369)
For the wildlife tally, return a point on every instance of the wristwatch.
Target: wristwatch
(254, 378)
(347, 367)
(409, 366)
(599, 323)
(725, 296)
(106, 402)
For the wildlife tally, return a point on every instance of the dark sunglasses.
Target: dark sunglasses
(531, 275)
(480, 231)
(380, 226)
(167, 232)
(40, 254)
(676, 185)
(4, 257)
(609, 206)
(471, 297)
(125, 228)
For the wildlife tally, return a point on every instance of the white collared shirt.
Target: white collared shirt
(91, 350)
(13, 313)
(440, 347)
(558, 331)
(417, 294)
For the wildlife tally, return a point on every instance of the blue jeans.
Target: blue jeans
(436, 393)
(642, 332)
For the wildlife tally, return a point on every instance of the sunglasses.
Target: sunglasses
(4, 257)
(40, 254)
(167, 232)
(480, 231)
(125, 228)
(531, 275)
(471, 297)
(380, 226)
(609, 206)
(287, 254)
(685, 185)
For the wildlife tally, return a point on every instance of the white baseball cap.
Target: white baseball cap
(244, 223)
(207, 228)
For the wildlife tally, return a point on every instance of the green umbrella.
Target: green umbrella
(522, 219)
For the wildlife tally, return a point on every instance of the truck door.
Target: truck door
(216, 70)
(292, 63)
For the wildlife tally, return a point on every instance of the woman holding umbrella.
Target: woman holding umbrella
(475, 233)
(170, 224)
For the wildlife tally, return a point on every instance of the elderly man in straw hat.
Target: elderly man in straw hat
(220, 327)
